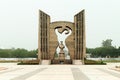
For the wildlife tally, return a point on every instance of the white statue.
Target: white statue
(62, 37)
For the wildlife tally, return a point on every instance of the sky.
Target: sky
(19, 20)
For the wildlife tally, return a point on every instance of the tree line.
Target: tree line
(18, 53)
(106, 50)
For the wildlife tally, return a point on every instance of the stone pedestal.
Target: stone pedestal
(61, 56)
(45, 62)
(77, 62)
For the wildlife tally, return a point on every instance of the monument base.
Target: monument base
(77, 62)
(45, 62)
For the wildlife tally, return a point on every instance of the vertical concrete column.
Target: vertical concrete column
(43, 37)
(75, 36)
(39, 37)
(80, 46)
(84, 36)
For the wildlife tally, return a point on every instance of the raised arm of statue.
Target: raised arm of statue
(69, 32)
(56, 31)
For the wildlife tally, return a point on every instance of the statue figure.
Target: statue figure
(62, 37)
(61, 46)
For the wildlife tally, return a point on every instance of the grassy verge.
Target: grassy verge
(92, 62)
(29, 62)
(112, 61)
(8, 61)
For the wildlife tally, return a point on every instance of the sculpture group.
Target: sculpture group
(61, 41)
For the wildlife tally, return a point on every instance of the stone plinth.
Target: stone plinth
(61, 56)
(77, 62)
(45, 62)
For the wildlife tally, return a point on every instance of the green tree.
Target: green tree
(107, 43)
(19, 53)
(107, 50)
(5, 53)
(32, 53)
(104, 51)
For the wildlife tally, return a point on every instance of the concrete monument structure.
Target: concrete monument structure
(61, 42)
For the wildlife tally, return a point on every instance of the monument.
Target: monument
(61, 42)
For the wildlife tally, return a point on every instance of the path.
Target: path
(58, 72)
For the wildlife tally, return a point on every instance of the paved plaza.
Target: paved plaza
(12, 71)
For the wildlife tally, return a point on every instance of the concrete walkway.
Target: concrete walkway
(58, 72)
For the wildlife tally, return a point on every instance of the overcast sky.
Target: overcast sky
(19, 20)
